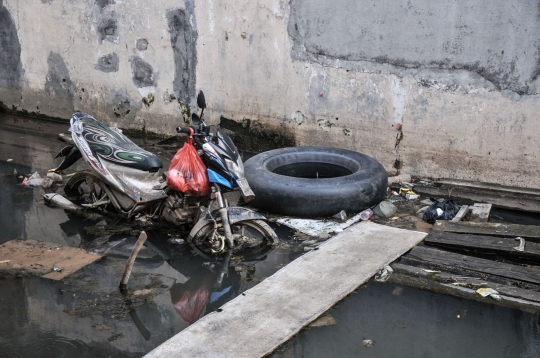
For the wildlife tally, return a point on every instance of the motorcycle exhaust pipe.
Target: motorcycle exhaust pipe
(61, 202)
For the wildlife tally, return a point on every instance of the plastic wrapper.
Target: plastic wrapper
(187, 172)
(444, 210)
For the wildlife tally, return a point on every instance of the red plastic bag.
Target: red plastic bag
(187, 172)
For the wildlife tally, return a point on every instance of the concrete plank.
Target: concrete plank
(257, 322)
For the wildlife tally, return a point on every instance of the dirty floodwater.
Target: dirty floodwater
(85, 314)
(171, 287)
(391, 320)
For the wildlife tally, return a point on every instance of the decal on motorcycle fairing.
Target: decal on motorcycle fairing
(114, 146)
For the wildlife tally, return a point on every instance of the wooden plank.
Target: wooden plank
(463, 210)
(489, 186)
(485, 244)
(468, 196)
(456, 280)
(258, 321)
(501, 269)
(511, 297)
(480, 212)
(493, 229)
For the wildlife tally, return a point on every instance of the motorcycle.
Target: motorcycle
(126, 179)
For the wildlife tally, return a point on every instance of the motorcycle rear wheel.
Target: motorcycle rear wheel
(252, 235)
(78, 187)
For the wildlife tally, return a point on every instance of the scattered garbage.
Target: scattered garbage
(366, 214)
(445, 210)
(34, 180)
(385, 209)
(342, 216)
(323, 321)
(384, 274)
(484, 292)
(54, 176)
(10, 160)
(176, 241)
(57, 269)
(318, 228)
(430, 271)
(521, 246)
(408, 194)
(47, 183)
(398, 179)
(367, 343)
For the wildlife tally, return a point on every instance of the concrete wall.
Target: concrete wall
(458, 79)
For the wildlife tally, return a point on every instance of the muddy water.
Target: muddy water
(85, 315)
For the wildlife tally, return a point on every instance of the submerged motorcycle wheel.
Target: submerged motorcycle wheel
(249, 235)
(83, 191)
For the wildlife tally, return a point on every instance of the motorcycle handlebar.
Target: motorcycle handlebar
(186, 130)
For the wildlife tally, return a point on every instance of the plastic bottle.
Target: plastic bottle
(366, 214)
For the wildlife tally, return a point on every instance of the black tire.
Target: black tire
(266, 236)
(315, 181)
(77, 188)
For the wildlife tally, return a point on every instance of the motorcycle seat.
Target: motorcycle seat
(111, 145)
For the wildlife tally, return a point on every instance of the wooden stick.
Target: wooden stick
(129, 266)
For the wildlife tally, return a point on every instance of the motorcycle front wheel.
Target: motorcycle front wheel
(252, 235)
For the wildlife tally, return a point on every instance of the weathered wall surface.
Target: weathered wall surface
(459, 79)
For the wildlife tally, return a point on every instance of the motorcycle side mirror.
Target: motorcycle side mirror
(195, 119)
(201, 102)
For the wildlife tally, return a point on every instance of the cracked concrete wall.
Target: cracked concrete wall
(112, 59)
(436, 89)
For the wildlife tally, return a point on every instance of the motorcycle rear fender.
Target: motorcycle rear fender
(236, 214)
(71, 154)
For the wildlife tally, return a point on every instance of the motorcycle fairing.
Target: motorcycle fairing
(136, 183)
(114, 146)
(214, 177)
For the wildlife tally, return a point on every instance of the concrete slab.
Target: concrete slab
(257, 322)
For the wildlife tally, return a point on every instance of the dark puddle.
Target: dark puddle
(389, 320)
(85, 314)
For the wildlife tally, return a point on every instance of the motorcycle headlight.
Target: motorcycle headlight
(236, 168)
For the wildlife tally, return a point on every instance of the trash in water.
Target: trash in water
(46, 183)
(384, 274)
(430, 271)
(385, 209)
(34, 180)
(342, 216)
(176, 241)
(368, 343)
(521, 246)
(54, 176)
(445, 210)
(366, 214)
(484, 292)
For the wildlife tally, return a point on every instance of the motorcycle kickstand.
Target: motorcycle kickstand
(223, 213)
